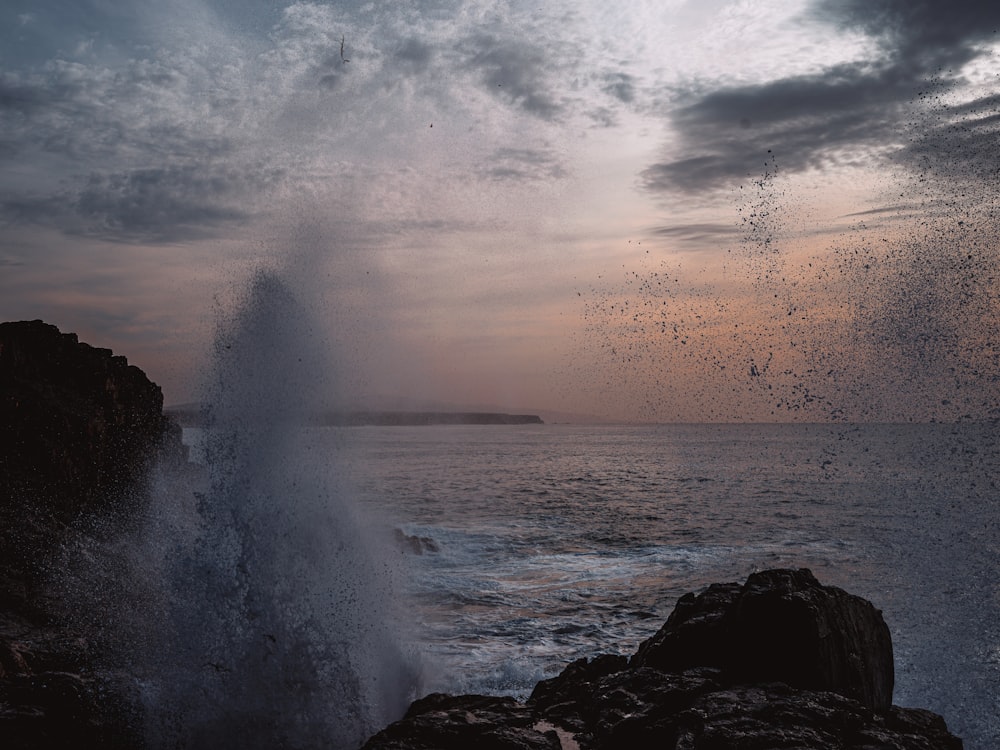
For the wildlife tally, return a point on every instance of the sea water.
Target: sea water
(529, 546)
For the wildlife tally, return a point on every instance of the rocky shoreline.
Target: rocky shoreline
(80, 430)
(777, 661)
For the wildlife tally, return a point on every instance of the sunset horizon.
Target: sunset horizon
(652, 213)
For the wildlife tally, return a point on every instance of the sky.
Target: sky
(719, 210)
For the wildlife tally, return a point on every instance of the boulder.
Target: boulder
(783, 626)
(779, 661)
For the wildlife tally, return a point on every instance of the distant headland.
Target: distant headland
(193, 415)
(420, 418)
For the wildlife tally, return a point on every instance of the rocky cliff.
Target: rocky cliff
(779, 661)
(80, 424)
(79, 427)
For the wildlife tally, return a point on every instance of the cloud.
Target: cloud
(161, 204)
(516, 71)
(809, 122)
(920, 36)
(621, 86)
(19, 96)
(413, 56)
(698, 235)
(957, 143)
(149, 205)
(181, 137)
(522, 164)
(846, 113)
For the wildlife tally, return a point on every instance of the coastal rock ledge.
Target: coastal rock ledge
(780, 661)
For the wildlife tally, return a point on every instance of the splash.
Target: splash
(273, 625)
(892, 321)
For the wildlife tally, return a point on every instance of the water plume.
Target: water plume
(274, 625)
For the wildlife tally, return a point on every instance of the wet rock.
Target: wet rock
(781, 625)
(413, 544)
(80, 428)
(443, 722)
(80, 423)
(63, 709)
(779, 661)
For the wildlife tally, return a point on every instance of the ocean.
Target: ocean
(521, 548)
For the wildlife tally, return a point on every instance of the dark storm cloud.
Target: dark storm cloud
(32, 209)
(516, 71)
(881, 211)
(920, 35)
(957, 143)
(848, 112)
(811, 121)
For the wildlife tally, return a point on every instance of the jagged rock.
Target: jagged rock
(699, 708)
(79, 427)
(779, 661)
(413, 544)
(63, 709)
(781, 625)
(443, 722)
(80, 424)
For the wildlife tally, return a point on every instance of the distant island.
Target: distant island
(192, 415)
(421, 418)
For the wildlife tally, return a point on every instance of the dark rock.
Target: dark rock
(79, 429)
(723, 672)
(80, 424)
(63, 709)
(416, 545)
(442, 722)
(781, 625)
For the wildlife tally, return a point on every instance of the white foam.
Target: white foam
(275, 622)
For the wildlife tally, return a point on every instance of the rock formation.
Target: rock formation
(779, 661)
(80, 424)
(79, 428)
(781, 625)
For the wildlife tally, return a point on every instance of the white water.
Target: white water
(271, 618)
(555, 542)
(558, 541)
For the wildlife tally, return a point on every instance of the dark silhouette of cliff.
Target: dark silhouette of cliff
(80, 424)
(79, 430)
